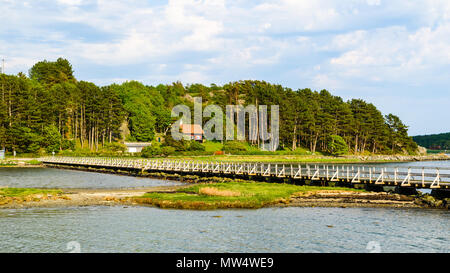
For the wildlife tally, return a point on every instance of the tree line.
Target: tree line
(434, 142)
(50, 110)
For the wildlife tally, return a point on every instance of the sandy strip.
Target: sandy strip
(88, 197)
(112, 197)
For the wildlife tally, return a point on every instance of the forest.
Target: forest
(434, 142)
(49, 110)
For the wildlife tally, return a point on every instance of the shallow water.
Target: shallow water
(61, 178)
(144, 229)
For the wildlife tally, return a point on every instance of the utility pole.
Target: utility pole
(3, 66)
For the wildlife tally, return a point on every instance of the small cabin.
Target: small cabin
(136, 147)
(192, 131)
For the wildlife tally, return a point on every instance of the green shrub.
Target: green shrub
(168, 150)
(178, 145)
(337, 145)
(151, 151)
(196, 146)
(233, 147)
(212, 146)
(114, 147)
(68, 144)
(51, 139)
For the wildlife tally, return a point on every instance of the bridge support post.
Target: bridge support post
(374, 188)
(440, 193)
(405, 190)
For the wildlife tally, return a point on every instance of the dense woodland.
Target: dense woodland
(50, 110)
(434, 142)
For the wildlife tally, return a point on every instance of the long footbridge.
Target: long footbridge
(400, 176)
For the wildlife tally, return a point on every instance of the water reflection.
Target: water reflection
(58, 178)
(143, 229)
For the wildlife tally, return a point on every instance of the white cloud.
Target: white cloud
(373, 2)
(363, 48)
(70, 2)
(393, 54)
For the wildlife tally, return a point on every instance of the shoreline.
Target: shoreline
(130, 197)
(85, 198)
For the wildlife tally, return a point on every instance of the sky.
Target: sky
(395, 54)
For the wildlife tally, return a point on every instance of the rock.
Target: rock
(439, 203)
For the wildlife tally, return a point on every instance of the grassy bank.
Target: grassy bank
(271, 158)
(8, 163)
(19, 195)
(228, 195)
(20, 163)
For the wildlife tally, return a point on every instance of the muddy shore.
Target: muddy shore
(84, 197)
(104, 197)
(113, 197)
(345, 199)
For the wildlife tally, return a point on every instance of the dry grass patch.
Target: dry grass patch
(216, 192)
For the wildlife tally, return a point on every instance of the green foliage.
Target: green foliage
(337, 145)
(33, 162)
(196, 146)
(398, 135)
(434, 142)
(168, 150)
(235, 194)
(25, 141)
(54, 111)
(232, 147)
(52, 139)
(212, 146)
(151, 151)
(178, 145)
(68, 144)
(50, 73)
(115, 147)
(22, 192)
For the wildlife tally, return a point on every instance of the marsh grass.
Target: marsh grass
(33, 162)
(218, 195)
(9, 195)
(6, 163)
(21, 192)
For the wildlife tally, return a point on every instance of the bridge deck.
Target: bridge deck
(418, 177)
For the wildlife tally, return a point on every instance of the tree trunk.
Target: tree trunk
(294, 138)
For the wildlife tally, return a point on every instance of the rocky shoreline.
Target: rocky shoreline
(357, 199)
(82, 198)
(321, 198)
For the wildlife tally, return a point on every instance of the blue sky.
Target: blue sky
(395, 54)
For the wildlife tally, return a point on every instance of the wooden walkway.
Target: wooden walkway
(414, 177)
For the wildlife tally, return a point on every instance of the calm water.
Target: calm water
(59, 178)
(144, 229)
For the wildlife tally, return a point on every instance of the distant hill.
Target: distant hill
(434, 142)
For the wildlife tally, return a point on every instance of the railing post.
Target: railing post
(436, 180)
(395, 175)
(423, 177)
